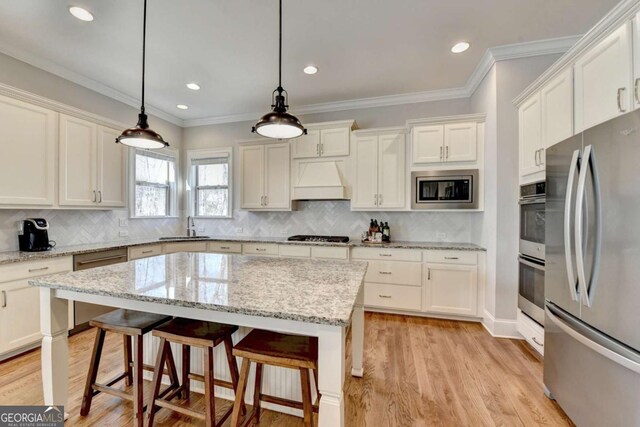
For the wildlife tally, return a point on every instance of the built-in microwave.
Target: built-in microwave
(444, 189)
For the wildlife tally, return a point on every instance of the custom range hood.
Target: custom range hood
(319, 181)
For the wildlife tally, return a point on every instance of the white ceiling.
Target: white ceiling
(363, 48)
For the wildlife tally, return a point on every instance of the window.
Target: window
(210, 180)
(155, 184)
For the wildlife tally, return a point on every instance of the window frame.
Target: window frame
(172, 196)
(191, 189)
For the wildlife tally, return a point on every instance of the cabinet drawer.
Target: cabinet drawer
(144, 251)
(171, 248)
(393, 296)
(23, 270)
(330, 252)
(531, 331)
(225, 247)
(398, 273)
(260, 249)
(386, 254)
(452, 257)
(295, 251)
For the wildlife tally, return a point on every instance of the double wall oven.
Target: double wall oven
(532, 253)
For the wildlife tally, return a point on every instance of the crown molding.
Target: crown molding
(491, 56)
(621, 13)
(86, 82)
(460, 118)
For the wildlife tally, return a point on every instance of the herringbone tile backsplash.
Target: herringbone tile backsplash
(71, 227)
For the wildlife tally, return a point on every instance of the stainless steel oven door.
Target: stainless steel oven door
(531, 288)
(532, 224)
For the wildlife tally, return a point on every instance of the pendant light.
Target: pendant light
(141, 136)
(278, 123)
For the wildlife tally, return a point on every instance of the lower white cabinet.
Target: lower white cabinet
(138, 252)
(171, 248)
(20, 302)
(395, 297)
(451, 289)
(224, 247)
(532, 332)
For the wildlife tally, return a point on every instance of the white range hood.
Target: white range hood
(319, 181)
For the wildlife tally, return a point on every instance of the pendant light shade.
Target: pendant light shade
(141, 136)
(278, 123)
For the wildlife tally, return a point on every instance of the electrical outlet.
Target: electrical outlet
(124, 233)
(441, 236)
(124, 222)
(239, 230)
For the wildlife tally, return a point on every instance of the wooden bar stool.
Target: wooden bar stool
(193, 333)
(132, 325)
(287, 351)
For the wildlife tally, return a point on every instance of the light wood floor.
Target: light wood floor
(418, 372)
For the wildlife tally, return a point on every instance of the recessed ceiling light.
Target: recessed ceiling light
(81, 14)
(193, 86)
(460, 47)
(310, 69)
(182, 106)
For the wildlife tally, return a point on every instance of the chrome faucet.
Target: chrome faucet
(191, 231)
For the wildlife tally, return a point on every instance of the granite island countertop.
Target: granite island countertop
(313, 291)
(18, 256)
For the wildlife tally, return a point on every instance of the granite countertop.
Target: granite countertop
(314, 291)
(17, 256)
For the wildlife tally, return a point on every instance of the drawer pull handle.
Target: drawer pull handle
(32, 270)
(384, 296)
(384, 272)
(147, 252)
(225, 247)
(428, 274)
(4, 299)
(107, 258)
(386, 255)
(451, 257)
(535, 340)
(261, 249)
(620, 90)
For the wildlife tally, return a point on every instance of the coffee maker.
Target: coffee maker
(33, 235)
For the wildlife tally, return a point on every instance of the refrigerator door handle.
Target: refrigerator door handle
(589, 165)
(567, 225)
(583, 339)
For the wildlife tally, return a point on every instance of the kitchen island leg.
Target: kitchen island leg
(331, 365)
(55, 351)
(357, 336)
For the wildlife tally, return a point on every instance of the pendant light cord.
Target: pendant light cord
(144, 45)
(280, 48)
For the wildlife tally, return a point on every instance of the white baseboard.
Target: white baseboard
(501, 328)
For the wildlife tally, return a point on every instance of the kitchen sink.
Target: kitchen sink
(184, 238)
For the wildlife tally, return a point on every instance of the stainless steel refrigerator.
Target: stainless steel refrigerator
(592, 278)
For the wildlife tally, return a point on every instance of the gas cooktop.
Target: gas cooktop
(322, 239)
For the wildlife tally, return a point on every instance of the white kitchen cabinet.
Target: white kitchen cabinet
(146, 251)
(531, 331)
(603, 78)
(28, 164)
(440, 143)
(20, 302)
(329, 139)
(531, 145)
(557, 110)
(636, 60)
(112, 169)
(265, 177)
(460, 142)
(427, 144)
(380, 171)
(92, 168)
(451, 289)
(172, 248)
(224, 247)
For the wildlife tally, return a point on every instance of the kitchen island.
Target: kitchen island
(310, 297)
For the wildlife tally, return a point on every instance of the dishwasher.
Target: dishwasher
(83, 312)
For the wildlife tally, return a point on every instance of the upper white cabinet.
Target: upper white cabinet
(264, 172)
(557, 110)
(603, 77)
(636, 61)
(440, 143)
(531, 145)
(92, 168)
(329, 139)
(379, 168)
(28, 162)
